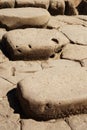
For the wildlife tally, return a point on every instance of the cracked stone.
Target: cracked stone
(51, 125)
(74, 52)
(24, 17)
(78, 122)
(27, 44)
(50, 100)
(79, 35)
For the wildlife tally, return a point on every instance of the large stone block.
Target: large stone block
(33, 3)
(33, 44)
(24, 17)
(7, 3)
(55, 92)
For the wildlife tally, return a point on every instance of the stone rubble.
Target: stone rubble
(43, 64)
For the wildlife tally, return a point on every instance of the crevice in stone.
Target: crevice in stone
(67, 122)
(7, 80)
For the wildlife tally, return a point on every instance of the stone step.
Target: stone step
(33, 44)
(23, 17)
(50, 125)
(7, 3)
(55, 92)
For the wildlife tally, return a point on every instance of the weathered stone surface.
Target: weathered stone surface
(74, 52)
(57, 92)
(33, 3)
(83, 17)
(2, 32)
(51, 125)
(27, 44)
(23, 17)
(78, 122)
(62, 21)
(7, 3)
(84, 62)
(57, 7)
(5, 86)
(79, 35)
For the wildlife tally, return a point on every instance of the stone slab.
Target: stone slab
(74, 52)
(28, 45)
(33, 3)
(51, 125)
(78, 122)
(50, 100)
(24, 17)
(7, 3)
(79, 35)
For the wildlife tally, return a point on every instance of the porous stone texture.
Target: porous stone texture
(51, 100)
(74, 52)
(24, 17)
(51, 125)
(7, 3)
(33, 3)
(33, 46)
(79, 35)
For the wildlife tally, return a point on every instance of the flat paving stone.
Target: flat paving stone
(57, 92)
(28, 45)
(79, 35)
(7, 3)
(33, 3)
(24, 17)
(74, 52)
(78, 122)
(51, 125)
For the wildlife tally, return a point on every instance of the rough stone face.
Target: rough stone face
(7, 3)
(33, 3)
(2, 32)
(79, 35)
(54, 92)
(74, 52)
(78, 122)
(24, 17)
(27, 44)
(51, 125)
(57, 7)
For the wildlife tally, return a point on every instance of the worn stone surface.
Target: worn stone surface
(74, 52)
(7, 3)
(78, 122)
(24, 17)
(79, 35)
(33, 3)
(51, 125)
(51, 100)
(33, 46)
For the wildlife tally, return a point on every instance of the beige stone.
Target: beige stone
(57, 7)
(2, 32)
(54, 92)
(78, 122)
(74, 52)
(79, 35)
(84, 62)
(24, 17)
(51, 125)
(27, 44)
(7, 3)
(82, 17)
(33, 3)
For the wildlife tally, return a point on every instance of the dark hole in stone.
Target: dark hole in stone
(55, 40)
(30, 46)
(19, 50)
(16, 46)
(52, 56)
(48, 105)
